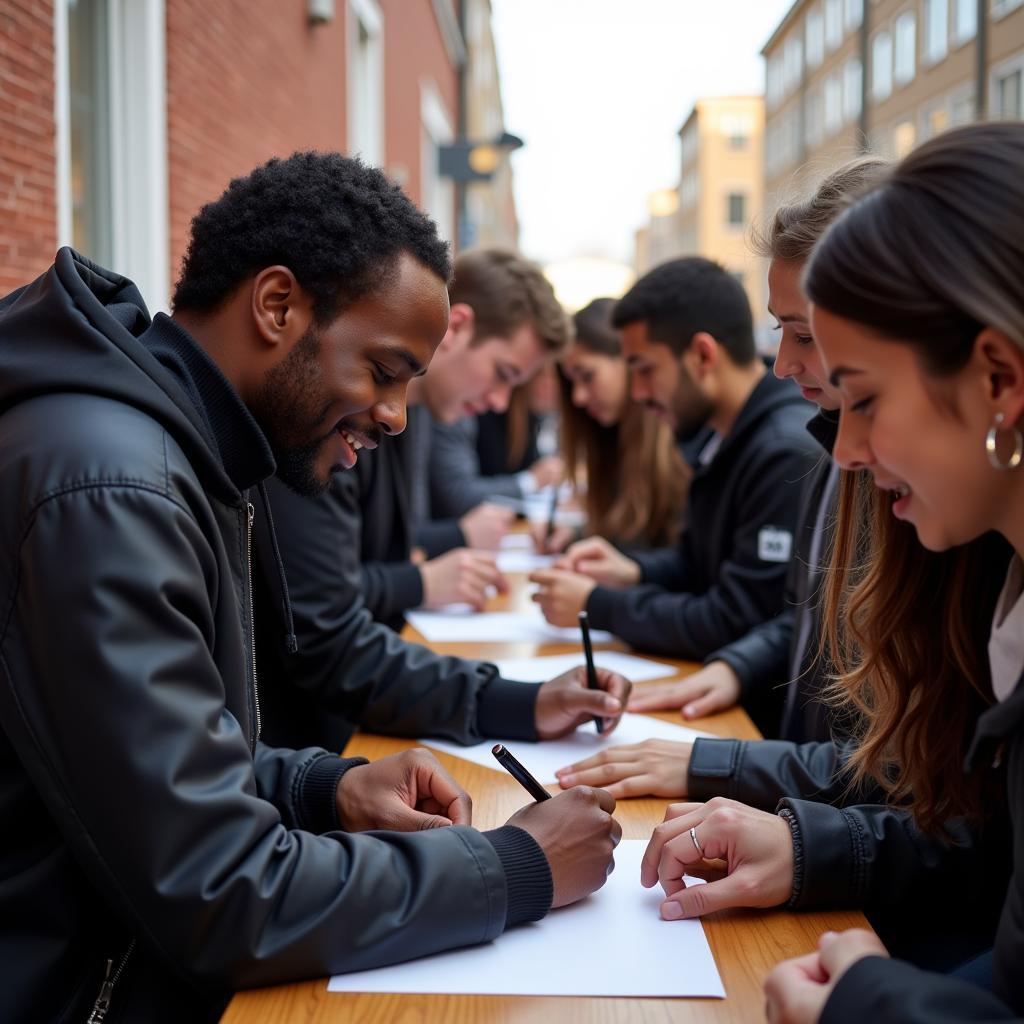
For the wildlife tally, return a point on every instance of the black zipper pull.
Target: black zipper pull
(102, 1004)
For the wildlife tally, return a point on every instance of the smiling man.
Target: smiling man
(687, 336)
(157, 853)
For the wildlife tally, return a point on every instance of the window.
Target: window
(881, 66)
(965, 20)
(853, 14)
(903, 138)
(833, 23)
(905, 31)
(962, 106)
(437, 194)
(773, 81)
(737, 129)
(1001, 7)
(365, 81)
(1008, 95)
(813, 123)
(936, 30)
(736, 209)
(111, 137)
(833, 104)
(853, 82)
(814, 38)
(934, 119)
(792, 63)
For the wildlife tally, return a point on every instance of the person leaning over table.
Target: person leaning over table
(808, 764)
(687, 333)
(157, 854)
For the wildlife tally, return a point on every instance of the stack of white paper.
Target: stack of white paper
(459, 624)
(538, 670)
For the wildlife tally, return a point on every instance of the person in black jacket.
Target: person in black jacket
(919, 313)
(157, 854)
(687, 333)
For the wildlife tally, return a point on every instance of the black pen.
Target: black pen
(588, 653)
(551, 518)
(519, 773)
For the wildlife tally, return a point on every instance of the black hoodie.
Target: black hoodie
(144, 823)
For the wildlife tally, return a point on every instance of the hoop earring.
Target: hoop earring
(992, 452)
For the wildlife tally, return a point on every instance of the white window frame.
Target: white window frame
(1000, 71)
(853, 84)
(881, 88)
(833, 104)
(833, 25)
(853, 14)
(814, 38)
(934, 31)
(959, 33)
(1000, 8)
(365, 119)
(140, 232)
(437, 194)
(902, 75)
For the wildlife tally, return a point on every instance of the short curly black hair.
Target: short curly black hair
(337, 224)
(679, 298)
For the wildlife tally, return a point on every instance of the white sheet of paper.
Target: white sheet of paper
(543, 759)
(539, 670)
(522, 561)
(458, 624)
(516, 542)
(611, 944)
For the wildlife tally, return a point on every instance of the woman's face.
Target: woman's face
(798, 357)
(921, 437)
(600, 384)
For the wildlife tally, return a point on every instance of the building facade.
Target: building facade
(845, 77)
(719, 195)
(120, 118)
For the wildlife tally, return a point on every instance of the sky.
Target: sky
(598, 90)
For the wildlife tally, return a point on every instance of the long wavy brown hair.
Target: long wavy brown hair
(926, 260)
(633, 475)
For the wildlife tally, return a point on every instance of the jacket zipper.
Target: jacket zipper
(102, 1005)
(252, 624)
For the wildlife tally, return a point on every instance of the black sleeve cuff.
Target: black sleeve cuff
(798, 856)
(436, 536)
(408, 584)
(317, 789)
(530, 888)
(713, 766)
(507, 710)
(601, 606)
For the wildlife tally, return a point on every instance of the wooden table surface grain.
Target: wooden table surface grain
(745, 944)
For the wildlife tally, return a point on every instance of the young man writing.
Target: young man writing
(157, 854)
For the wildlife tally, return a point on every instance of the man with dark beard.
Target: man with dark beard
(157, 855)
(687, 335)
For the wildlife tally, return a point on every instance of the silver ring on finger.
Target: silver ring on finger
(693, 836)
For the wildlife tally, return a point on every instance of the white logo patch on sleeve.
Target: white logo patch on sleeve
(773, 544)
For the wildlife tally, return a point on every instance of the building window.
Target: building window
(1001, 7)
(965, 20)
(736, 209)
(366, 81)
(903, 137)
(437, 195)
(792, 63)
(1008, 95)
(737, 129)
(814, 38)
(881, 66)
(853, 14)
(833, 23)
(905, 31)
(833, 104)
(813, 126)
(962, 106)
(936, 30)
(853, 76)
(773, 81)
(934, 120)
(111, 137)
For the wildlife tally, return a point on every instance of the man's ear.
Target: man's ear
(703, 354)
(282, 309)
(1001, 362)
(461, 328)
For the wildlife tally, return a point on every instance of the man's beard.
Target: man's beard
(691, 408)
(289, 402)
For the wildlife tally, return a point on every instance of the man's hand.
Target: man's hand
(484, 526)
(548, 471)
(561, 537)
(596, 558)
(714, 688)
(796, 990)
(460, 575)
(561, 595)
(757, 846)
(564, 703)
(651, 768)
(578, 835)
(405, 792)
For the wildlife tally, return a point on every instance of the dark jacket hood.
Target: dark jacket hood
(76, 329)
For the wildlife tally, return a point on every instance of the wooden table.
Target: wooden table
(746, 944)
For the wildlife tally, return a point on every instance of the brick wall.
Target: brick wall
(246, 80)
(28, 204)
